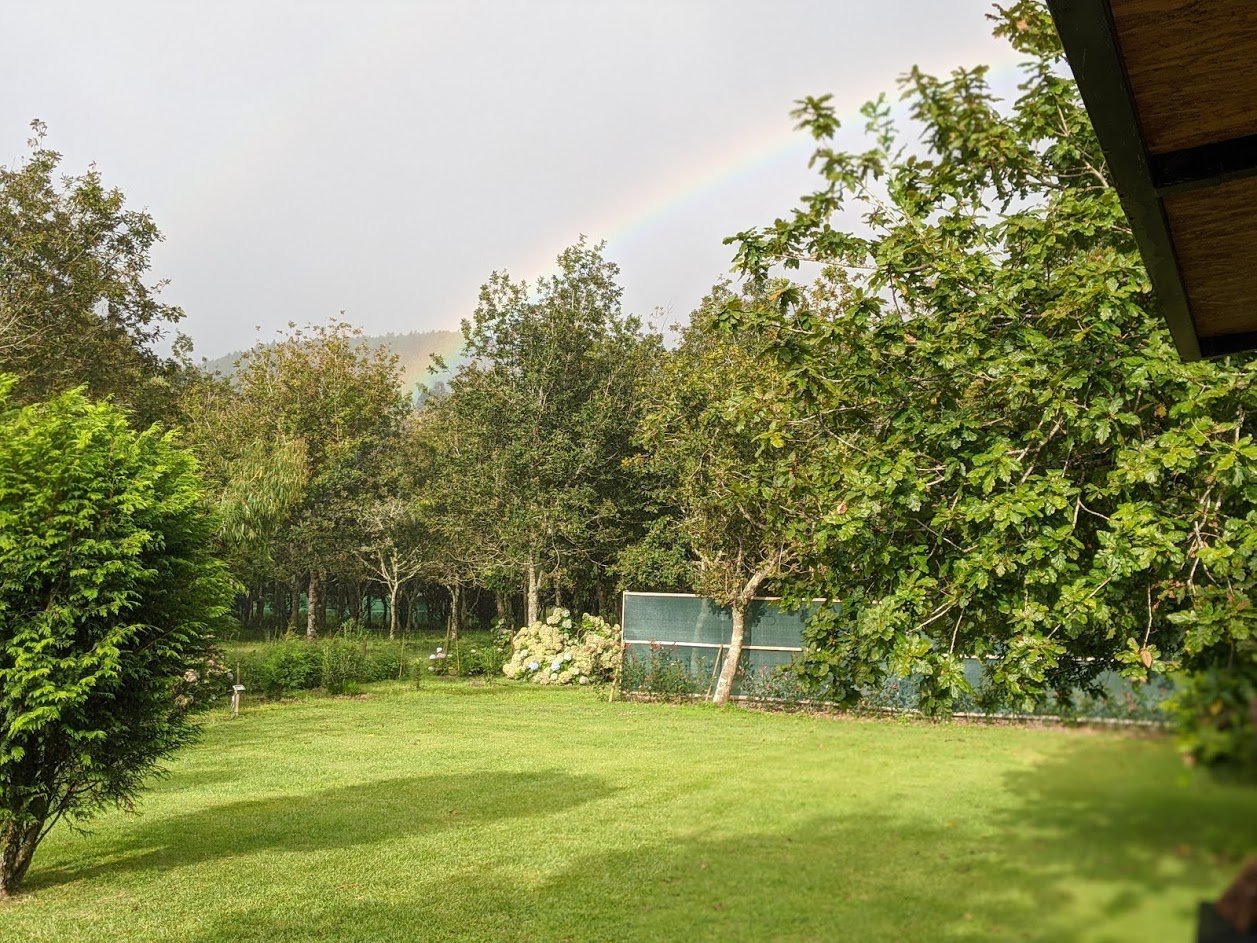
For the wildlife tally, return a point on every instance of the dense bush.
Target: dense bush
(1215, 711)
(285, 667)
(109, 598)
(337, 665)
(562, 650)
(483, 660)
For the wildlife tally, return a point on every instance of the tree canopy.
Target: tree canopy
(76, 305)
(1016, 465)
(544, 412)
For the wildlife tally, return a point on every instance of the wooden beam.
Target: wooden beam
(1087, 32)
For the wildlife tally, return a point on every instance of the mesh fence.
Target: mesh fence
(672, 632)
(675, 644)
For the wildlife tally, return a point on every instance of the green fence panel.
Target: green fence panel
(675, 617)
(694, 632)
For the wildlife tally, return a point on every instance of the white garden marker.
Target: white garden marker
(235, 699)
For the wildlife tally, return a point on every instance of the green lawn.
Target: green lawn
(516, 813)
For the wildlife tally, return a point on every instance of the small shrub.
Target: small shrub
(1215, 711)
(483, 660)
(563, 650)
(440, 662)
(344, 664)
(660, 673)
(204, 683)
(290, 665)
(384, 663)
(778, 683)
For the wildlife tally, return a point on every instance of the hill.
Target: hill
(414, 349)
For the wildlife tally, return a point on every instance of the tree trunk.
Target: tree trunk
(534, 594)
(456, 613)
(729, 671)
(313, 601)
(294, 613)
(17, 847)
(392, 611)
(278, 597)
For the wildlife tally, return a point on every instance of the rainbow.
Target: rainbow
(771, 149)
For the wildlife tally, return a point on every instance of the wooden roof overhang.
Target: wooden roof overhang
(1171, 87)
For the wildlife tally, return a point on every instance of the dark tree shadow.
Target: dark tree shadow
(330, 819)
(1091, 820)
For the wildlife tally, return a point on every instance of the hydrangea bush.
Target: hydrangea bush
(564, 650)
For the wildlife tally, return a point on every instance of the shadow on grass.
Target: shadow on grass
(330, 819)
(1088, 843)
(1129, 820)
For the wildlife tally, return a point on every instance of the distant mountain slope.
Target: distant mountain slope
(414, 349)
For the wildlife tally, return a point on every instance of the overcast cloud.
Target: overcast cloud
(304, 158)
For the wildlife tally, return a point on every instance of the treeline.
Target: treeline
(966, 424)
(517, 485)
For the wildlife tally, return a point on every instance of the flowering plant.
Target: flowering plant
(436, 661)
(563, 650)
(201, 685)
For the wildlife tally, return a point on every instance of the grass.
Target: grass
(517, 813)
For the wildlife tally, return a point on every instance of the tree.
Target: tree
(712, 432)
(300, 442)
(75, 306)
(391, 553)
(398, 544)
(465, 497)
(545, 410)
(265, 484)
(1016, 465)
(108, 595)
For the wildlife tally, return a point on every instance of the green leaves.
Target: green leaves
(296, 444)
(107, 595)
(537, 470)
(1009, 458)
(75, 309)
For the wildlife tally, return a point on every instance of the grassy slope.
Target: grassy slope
(516, 813)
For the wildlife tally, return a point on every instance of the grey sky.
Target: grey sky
(382, 158)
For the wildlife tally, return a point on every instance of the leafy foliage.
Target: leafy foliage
(540, 423)
(297, 443)
(714, 434)
(108, 600)
(337, 664)
(75, 306)
(1014, 462)
(658, 672)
